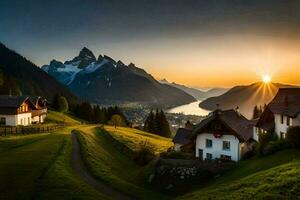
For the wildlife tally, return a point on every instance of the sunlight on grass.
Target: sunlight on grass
(133, 138)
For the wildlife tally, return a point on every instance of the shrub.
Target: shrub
(293, 137)
(274, 146)
(63, 104)
(145, 154)
(177, 155)
(264, 139)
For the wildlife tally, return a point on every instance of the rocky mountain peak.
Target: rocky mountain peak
(56, 63)
(84, 58)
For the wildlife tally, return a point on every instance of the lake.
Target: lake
(190, 109)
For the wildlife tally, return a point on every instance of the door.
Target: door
(200, 154)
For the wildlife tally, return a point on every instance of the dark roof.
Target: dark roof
(266, 120)
(7, 101)
(241, 127)
(183, 136)
(286, 102)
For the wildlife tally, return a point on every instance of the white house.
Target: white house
(280, 114)
(223, 134)
(39, 114)
(17, 110)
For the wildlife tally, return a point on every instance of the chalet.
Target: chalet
(223, 134)
(39, 114)
(19, 110)
(280, 114)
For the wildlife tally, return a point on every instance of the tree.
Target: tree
(293, 137)
(165, 130)
(158, 124)
(117, 120)
(54, 102)
(150, 123)
(63, 105)
(256, 112)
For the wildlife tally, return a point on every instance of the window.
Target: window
(2, 121)
(208, 143)
(282, 119)
(288, 122)
(226, 145)
(21, 121)
(208, 156)
(225, 157)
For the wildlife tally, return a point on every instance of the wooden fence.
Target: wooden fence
(15, 130)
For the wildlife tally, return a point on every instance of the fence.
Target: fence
(11, 130)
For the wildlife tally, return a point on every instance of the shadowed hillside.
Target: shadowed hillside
(246, 97)
(21, 77)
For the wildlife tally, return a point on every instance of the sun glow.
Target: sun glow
(266, 78)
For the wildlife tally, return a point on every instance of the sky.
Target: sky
(199, 43)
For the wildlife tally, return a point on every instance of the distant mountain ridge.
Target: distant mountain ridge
(19, 76)
(106, 81)
(198, 94)
(245, 97)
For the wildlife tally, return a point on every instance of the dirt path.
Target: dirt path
(80, 168)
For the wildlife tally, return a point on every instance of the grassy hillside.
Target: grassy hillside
(133, 138)
(272, 177)
(38, 166)
(110, 165)
(58, 117)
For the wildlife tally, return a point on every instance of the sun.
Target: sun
(266, 78)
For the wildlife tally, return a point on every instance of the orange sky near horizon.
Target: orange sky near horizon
(227, 61)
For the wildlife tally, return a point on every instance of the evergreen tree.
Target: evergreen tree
(157, 123)
(256, 112)
(165, 130)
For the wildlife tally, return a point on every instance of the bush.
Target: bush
(274, 146)
(145, 154)
(264, 139)
(63, 104)
(177, 155)
(293, 137)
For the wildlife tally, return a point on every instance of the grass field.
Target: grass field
(38, 166)
(133, 138)
(273, 177)
(110, 165)
(57, 117)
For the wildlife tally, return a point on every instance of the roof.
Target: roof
(183, 136)
(240, 126)
(266, 120)
(286, 102)
(7, 101)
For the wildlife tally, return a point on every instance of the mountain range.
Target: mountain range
(198, 94)
(245, 97)
(20, 76)
(105, 81)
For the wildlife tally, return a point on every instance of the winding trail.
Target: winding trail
(81, 170)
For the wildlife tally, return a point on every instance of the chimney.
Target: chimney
(237, 110)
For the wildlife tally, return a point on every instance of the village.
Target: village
(213, 145)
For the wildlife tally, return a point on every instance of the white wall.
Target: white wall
(11, 120)
(24, 119)
(217, 146)
(281, 127)
(255, 133)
